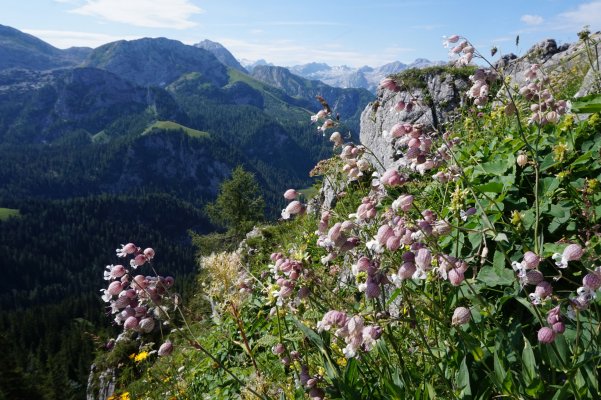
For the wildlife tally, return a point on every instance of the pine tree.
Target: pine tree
(239, 204)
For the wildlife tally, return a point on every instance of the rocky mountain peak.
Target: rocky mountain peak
(221, 53)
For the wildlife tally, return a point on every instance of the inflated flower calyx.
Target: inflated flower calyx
(461, 316)
(546, 335)
(165, 349)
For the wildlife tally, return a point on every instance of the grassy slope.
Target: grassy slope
(174, 126)
(6, 213)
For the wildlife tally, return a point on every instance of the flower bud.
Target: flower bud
(534, 277)
(146, 325)
(165, 349)
(278, 349)
(290, 194)
(543, 289)
(455, 277)
(572, 252)
(388, 83)
(335, 138)
(406, 270)
(131, 323)
(559, 327)
(591, 281)
(149, 253)
(461, 316)
(546, 335)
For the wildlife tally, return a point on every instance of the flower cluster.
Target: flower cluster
(289, 276)
(545, 109)
(354, 162)
(137, 301)
(295, 207)
(352, 330)
(482, 79)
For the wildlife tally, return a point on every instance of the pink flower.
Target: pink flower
(295, 207)
(328, 123)
(290, 194)
(388, 83)
(554, 315)
(559, 327)
(278, 349)
(126, 249)
(571, 253)
(146, 325)
(423, 259)
(400, 106)
(591, 281)
(384, 233)
(165, 349)
(115, 288)
(131, 323)
(455, 277)
(448, 40)
(546, 335)
(149, 253)
(406, 270)
(461, 316)
(392, 178)
(138, 261)
(336, 138)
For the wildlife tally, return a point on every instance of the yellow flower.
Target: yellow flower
(125, 396)
(141, 357)
(132, 356)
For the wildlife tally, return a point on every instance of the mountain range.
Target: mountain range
(343, 76)
(126, 142)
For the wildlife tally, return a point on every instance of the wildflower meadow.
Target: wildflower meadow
(469, 269)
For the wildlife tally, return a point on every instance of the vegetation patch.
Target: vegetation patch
(6, 213)
(170, 126)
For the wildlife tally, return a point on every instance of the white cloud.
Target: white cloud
(146, 13)
(65, 39)
(532, 19)
(584, 14)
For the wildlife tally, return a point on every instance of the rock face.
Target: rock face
(445, 92)
(565, 59)
(54, 102)
(157, 62)
(346, 102)
(442, 92)
(21, 50)
(222, 54)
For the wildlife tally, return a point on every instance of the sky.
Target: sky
(287, 32)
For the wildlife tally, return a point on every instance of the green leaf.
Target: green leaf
(587, 104)
(548, 186)
(499, 166)
(583, 159)
(497, 274)
(463, 380)
(529, 364)
(490, 187)
(309, 334)
(499, 370)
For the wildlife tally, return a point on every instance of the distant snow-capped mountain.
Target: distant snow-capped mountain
(340, 76)
(250, 64)
(347, 77)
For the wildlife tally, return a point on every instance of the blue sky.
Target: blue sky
(350, 32)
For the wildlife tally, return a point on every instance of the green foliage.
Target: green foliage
(6, 213)
(239, 204)
(509, 185)
(587, 104)
(170, 126)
